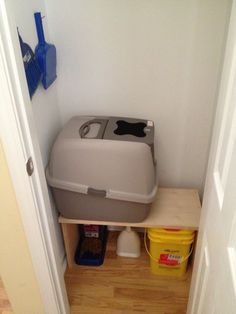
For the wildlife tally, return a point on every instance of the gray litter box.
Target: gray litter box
(103, 168)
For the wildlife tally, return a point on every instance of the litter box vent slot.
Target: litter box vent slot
(95, 192)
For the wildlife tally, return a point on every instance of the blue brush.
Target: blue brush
(45, 54)
(32, 69)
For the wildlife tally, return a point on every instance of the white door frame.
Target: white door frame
(18, 142)
(217, 196)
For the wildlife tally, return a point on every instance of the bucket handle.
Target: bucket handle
(154, 259)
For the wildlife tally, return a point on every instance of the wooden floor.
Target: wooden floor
(125, 285)
(5, 307)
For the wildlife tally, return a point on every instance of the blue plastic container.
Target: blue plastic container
(32, 69)
(92, 245)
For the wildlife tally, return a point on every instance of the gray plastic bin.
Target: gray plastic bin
(103, 168)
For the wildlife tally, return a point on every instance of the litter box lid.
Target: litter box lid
(122, 170)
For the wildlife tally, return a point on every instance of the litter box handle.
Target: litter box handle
(85, 128)
(154, 259)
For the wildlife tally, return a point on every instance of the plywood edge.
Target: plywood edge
(63, 220)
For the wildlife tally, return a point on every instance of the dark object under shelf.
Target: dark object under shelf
(31, 66)
(92, 245)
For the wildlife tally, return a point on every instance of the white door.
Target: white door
(213, 288)
(20, 142)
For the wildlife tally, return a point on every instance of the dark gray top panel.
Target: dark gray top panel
(129, 129)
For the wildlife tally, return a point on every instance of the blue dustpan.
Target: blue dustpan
(45, 54)
(32, 69)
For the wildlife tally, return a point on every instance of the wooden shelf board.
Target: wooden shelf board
(173, 208)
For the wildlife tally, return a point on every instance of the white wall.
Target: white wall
(44, 103)
(158, 59)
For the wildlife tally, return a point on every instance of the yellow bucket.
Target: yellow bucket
(169, 250)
